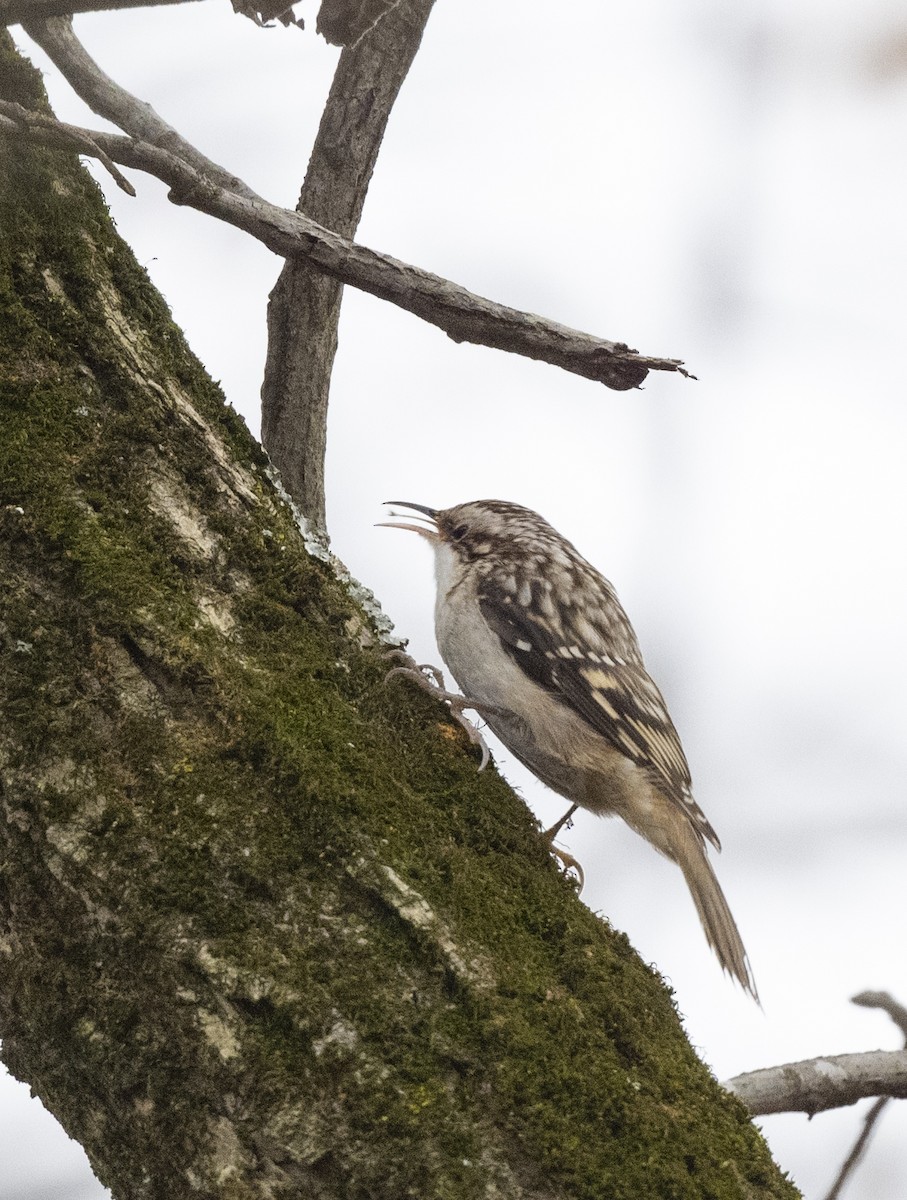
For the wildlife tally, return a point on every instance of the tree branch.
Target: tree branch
(887, 1003)
(344, 22)
(304, 307)
(859, 1147)
(461, 314)
(898, 1014)
(818, 1084)
(113, 102)
(17, 12)
(79, 140)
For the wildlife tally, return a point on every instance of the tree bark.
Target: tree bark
(14, 12)
(264, 930)
(304, 308)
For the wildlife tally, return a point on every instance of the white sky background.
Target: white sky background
(723, 184)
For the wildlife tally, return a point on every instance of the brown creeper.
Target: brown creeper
(542, 649)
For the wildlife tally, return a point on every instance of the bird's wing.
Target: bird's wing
(575, 657)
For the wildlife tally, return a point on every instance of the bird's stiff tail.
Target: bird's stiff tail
(720, 927)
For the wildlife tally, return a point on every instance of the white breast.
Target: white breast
(473, 654)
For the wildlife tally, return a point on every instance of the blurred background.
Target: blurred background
(719, 183)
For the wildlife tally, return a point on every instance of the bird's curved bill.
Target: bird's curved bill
(428, 530)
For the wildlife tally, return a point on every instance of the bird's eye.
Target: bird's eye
(459, 532)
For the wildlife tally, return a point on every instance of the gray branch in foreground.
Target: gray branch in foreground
(461, 314)
(818, 1084)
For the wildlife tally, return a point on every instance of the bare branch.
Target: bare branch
(304, 307)
(305, 303)
(822, 1083)
(898, 1014)
(886, 1003)
(859, 1147)
(17, 12)
(105, 97)
(461, 314)
(21, 12)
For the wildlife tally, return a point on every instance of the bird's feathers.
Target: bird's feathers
(613, 692)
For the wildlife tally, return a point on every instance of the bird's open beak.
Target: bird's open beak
(428, 531)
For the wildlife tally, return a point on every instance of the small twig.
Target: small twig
(461, 314)
(886, 1003)
(898, 1014)
(859, 1147)
(73, 138)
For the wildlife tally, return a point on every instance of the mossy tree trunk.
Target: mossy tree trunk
(264, 931)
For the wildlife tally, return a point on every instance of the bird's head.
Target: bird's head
(477, 528)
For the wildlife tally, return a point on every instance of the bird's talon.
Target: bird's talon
(569, 864)
(419, 672)
(410, 664)
(431, 680)
(473, 734)
(435, 673)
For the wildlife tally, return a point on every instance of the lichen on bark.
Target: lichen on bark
(265, 930)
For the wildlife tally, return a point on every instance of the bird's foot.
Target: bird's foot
(569, 862)
(431, 680)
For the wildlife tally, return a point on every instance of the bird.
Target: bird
(543, 651)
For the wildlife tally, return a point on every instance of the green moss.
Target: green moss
(208, 814)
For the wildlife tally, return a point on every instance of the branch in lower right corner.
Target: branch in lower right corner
(818, 1084)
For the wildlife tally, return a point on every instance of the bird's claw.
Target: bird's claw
(419, 671)
(471, 731)
(431, 680)
(569, 863)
